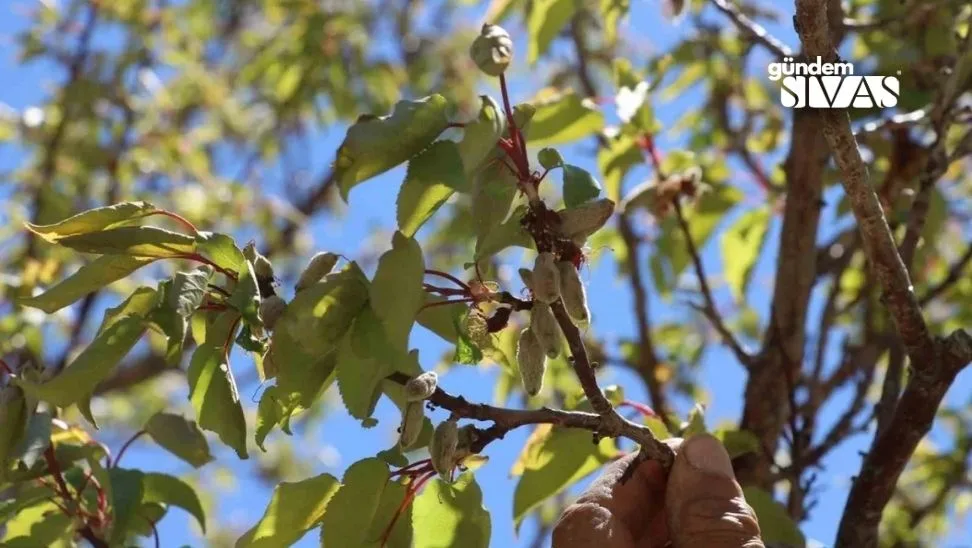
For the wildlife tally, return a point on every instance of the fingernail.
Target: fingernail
(705, 453)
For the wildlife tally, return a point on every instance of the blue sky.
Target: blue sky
(340, 441)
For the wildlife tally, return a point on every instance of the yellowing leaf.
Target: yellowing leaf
(94, 220)
(135, 241)
(375, 144)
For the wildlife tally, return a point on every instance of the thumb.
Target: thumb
(704, 502)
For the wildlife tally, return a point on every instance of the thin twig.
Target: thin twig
(752, 29)
(709, 310)
(121, 452)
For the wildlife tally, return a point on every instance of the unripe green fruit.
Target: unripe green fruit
(544, 326)
(546, 278)
(531, 360)
(572, 292)
(421, 387)
(578, 223)
(271, 309)
(442, 448)
(492, 50)
(412, 420)
(319, 266)
(549, 158)
(467, 436)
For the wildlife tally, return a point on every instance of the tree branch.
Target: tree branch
(752, 29)
(935, 362)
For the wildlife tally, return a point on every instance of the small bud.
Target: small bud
(546, 278)
(531, 360)
(573, 293)
(586, 219)
(442, 449)
(421, 387)
(492, 50)
(527, 276)
(319, 266)
(544, 326)
(271, 309)
(549, 158)
(412, 420)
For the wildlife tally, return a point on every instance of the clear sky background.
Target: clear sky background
(340, 441)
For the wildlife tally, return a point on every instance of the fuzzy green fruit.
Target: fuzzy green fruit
(492, 50)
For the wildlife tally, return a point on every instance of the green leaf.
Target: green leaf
(560, 459)
(741, 245)
(396, 292)
(92, 365)
(270, 413)
(391, 501)
(738, 442)
(181, 298)
(316, 319)
(94, 220)
(87, 279)
(135, 241)
(173, 491)
(127, 489)
(363, 361)
(246, 295)
(179, 436)
(545, 20)
(138, 305)
(294, 509)
(35, 439)
(39, 525)
(221, 250)
(348, 517)
(13, 423)
(479, 137)
(433, 176)
(441, 320)
(579, 186)
(494, 188)
(775, 524)
(451, 516)
(615, 161)
(507, 234)
(695, 423)
(564, 119)
(375, 144)
(212, 388)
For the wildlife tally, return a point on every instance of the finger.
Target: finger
(704, 503)
(611, 514)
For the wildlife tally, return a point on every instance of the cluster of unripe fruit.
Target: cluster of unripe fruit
(449, 445)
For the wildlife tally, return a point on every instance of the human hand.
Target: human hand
(699, 503)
